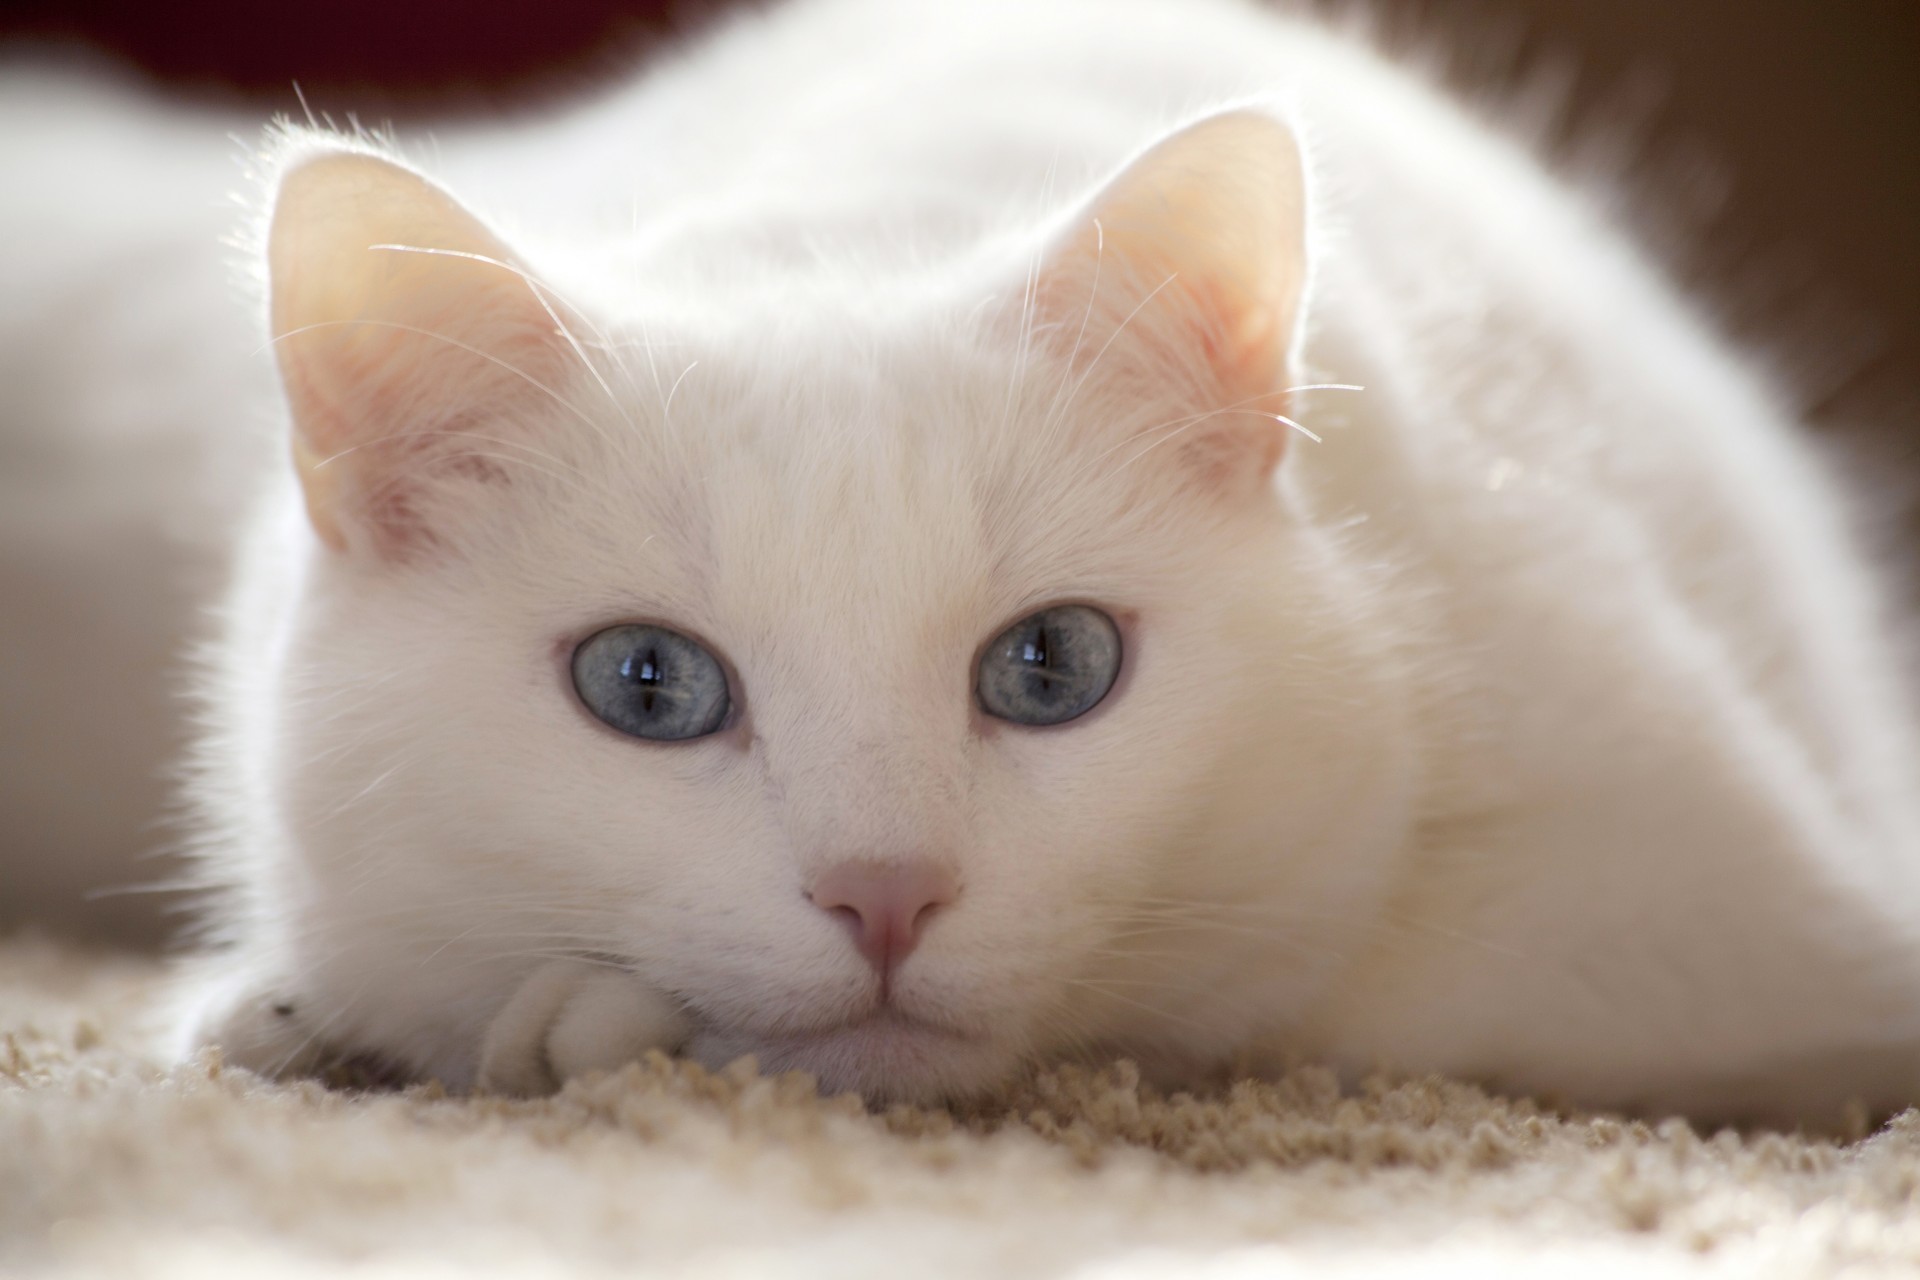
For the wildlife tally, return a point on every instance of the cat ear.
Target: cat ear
(1191, 267)
(400, 323)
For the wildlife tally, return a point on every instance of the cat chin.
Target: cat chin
(885, 1058)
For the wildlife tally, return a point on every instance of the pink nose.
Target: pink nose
(887, 905)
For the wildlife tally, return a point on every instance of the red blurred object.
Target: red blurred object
(413, 51)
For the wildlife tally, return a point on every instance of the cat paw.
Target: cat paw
(251, 1024)
(570, 1018)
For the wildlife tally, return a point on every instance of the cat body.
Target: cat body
(1500, 693)
(133, 428)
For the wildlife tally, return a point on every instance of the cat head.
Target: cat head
(911, 677)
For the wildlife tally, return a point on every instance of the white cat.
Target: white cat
(922, 539)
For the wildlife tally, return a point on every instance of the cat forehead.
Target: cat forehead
(836, 470)
(895, 413)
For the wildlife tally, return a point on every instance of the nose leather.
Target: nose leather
(886, 905)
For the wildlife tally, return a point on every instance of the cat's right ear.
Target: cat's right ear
(403, 328)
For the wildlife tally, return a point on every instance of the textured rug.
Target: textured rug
(112, 1164)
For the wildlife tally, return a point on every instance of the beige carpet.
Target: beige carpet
(111, 1165)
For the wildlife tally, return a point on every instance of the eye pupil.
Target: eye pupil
(1050, 667)
(1034, 651)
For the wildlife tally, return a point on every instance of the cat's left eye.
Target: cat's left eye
(1051, 666)
(651, 682)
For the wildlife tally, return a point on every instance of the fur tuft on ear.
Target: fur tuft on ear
(400, 322)
(1192, 265)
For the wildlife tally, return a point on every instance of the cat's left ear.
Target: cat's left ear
(407, 339)
(1187, 274)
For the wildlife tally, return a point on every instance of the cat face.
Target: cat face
(844, 511)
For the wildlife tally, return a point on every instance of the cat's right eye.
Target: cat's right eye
(651, 682)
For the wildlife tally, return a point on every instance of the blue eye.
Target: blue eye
(651, 682)
(1051, 666)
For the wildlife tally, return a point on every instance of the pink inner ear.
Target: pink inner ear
(383, 413)
(391, 356)
(1186, 273)
(1167, 342)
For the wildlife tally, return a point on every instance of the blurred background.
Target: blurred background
(1768, 149)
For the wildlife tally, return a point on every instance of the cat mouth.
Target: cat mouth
(885, 1056)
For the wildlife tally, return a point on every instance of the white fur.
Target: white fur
(131, 428)
(1538, 727)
